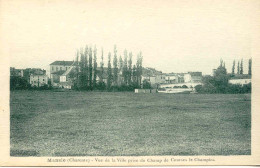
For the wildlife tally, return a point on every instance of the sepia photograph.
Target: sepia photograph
(171, 81)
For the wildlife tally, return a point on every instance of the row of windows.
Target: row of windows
(38, 78)
(57, 68)
(35, 82)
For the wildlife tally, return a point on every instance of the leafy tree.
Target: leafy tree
(109, 72)
(250, 66)
(146, 84)
(208, 85)
(221, 79)
(95, 68)
(115, 74)
(19, 83)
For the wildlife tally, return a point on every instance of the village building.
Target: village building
(16, 72)
(60, 66)
(102, 77)
(155, 79)
(240, 79)
(29, 71)
(60, 72)
(63, 74)
(38, 80)
(193, 77)
(171, 78)
(36, 77)
(182, 80)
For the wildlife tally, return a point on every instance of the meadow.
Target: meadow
(46, 123)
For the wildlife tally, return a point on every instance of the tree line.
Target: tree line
(119, 75)
(240, 68)
(218, 83)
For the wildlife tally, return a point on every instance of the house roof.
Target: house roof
(64, 63)
(38, 75)
(58, 72)
(104, 76)
(241, 76)
(68, 71)
(195, 73)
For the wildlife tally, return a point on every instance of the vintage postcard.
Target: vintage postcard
(129, 83)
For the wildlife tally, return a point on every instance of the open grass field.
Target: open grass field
(45, 123)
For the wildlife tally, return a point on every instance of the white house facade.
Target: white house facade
(38, 80)
(239, 81)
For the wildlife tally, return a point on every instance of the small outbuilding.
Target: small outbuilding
(145, 91)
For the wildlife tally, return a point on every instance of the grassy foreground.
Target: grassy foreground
(47, 123)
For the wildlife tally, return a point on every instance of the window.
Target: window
(66, 68)
(56, 68)
(52, 68)
(60, 68)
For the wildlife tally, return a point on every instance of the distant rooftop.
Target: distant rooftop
(64, 63)
(195, 73)
(241, 76)
(59, 72)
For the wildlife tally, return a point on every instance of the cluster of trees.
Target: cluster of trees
(219, 82)
(240, 68)
(22, 83)
(229, 89)
(121, 76)
(18, 83)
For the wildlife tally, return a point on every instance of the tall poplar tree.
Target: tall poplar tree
(238, 68)
(121, 64)
(221, 62)
(130, 68)
(125, 68)
(86, 68)
(241, 67)
(115, 70)
(95, 68)
(77, 70)
(90, 67)
(233, 67)
(250, 66)
(102, 66)
(82, 69)
(140, 68)
(137, 70)
(135, 75)
(109, 72)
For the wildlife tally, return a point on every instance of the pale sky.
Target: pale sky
(174, 36)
